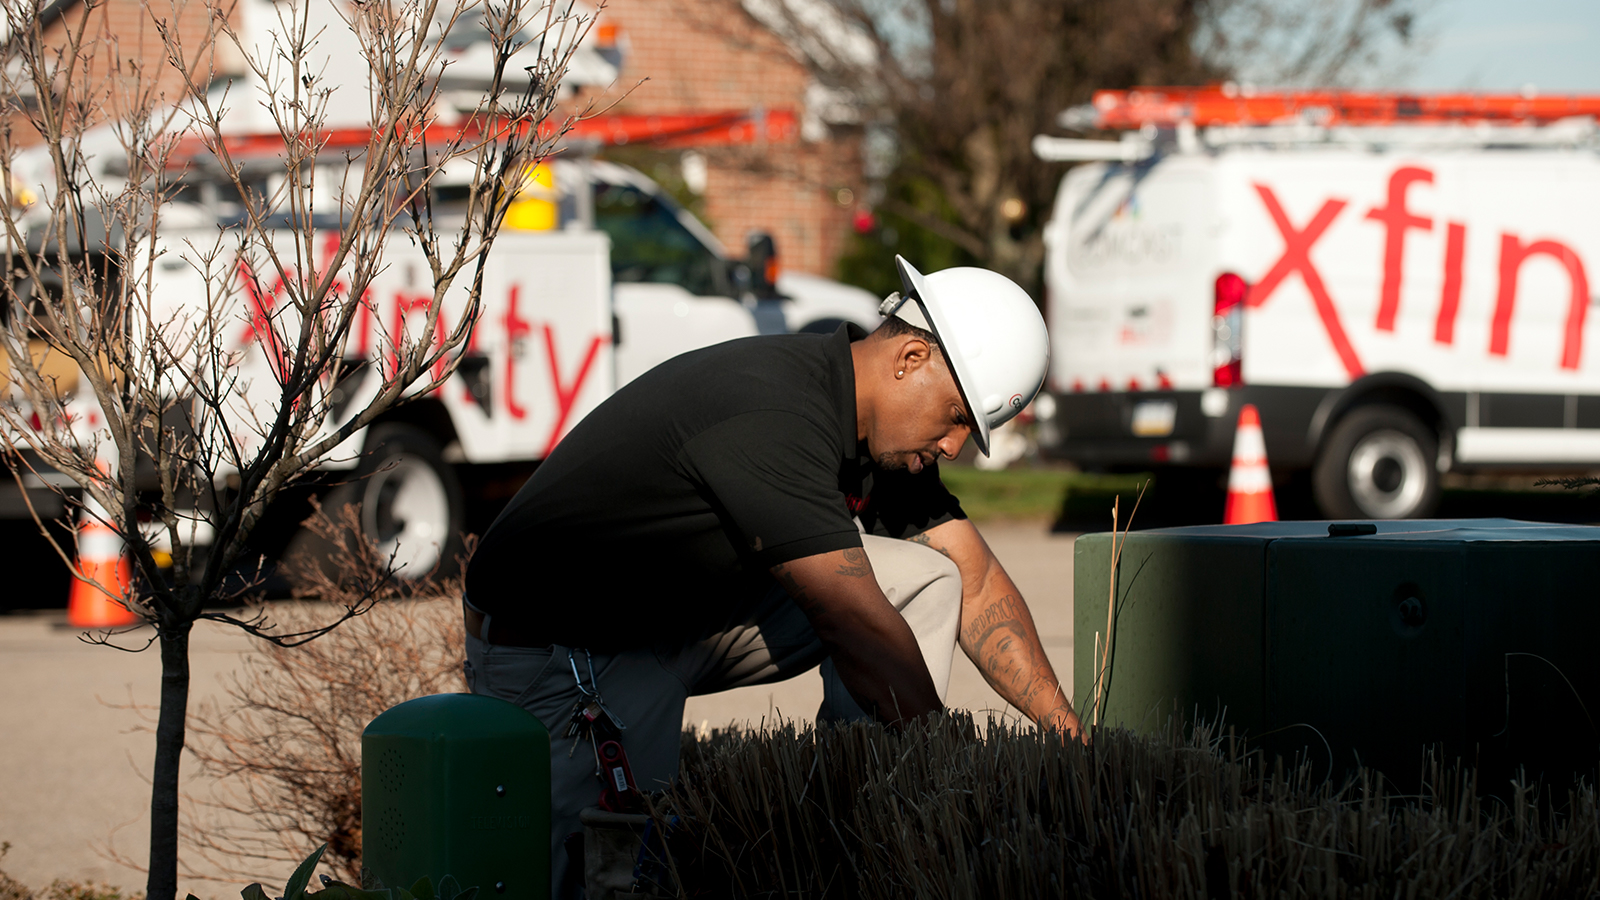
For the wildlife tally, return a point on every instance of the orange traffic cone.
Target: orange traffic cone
(1249, 482)
(94, 603)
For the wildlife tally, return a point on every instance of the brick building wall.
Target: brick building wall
(122, 58)
(706, 55)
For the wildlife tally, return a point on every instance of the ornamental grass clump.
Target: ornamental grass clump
(945, 809)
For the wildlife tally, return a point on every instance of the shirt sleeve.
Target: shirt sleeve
(773, 478)
(903, 505)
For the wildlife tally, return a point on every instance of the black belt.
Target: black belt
(500, 632)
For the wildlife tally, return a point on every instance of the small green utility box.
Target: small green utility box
(458, 784)
(1363, 643)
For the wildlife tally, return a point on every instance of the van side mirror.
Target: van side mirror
(761, 260)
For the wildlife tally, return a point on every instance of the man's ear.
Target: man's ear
(913, 354)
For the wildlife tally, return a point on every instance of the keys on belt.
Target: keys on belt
(592, 720)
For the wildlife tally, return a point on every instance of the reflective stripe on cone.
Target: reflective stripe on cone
(1249, 481)
(105, 576)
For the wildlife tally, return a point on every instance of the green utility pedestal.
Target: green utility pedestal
(457, 784)
(1475, 637)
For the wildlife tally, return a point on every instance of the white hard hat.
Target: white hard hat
(992, 335)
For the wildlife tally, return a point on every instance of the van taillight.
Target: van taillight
(1227, 327)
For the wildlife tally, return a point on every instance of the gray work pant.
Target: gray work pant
(768, 639)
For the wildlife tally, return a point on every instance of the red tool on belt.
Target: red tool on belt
(621, 792)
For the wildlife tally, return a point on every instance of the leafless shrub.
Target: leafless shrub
(60, 889)
(284, 748)
(940, 809)
(350, 566)
(10, 888)
(63, 889)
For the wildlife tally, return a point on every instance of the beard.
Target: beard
(904, 461)
(892, 462)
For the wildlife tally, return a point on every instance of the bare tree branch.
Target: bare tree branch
(962, 86)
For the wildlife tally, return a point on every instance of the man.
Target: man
(747, 511)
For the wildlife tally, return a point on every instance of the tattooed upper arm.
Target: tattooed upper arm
(794, 575)
(855, 564)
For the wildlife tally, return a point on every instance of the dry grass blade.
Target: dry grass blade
(1102, 681)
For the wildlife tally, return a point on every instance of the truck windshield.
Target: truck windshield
(649, 244)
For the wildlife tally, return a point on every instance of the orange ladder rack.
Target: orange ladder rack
(1231, 105)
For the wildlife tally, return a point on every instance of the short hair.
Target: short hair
(894, 326)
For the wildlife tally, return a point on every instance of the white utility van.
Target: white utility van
(1399, 297)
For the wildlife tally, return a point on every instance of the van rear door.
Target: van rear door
(1129, 251)
(1128, 277)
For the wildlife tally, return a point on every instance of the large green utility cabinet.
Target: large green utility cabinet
(459, 785)
(1475, 636)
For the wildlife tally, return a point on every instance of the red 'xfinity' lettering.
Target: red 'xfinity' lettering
(567, 395)
(262, 300)
(517, 328)
(1455, 246)
(1396, 219)
(1297, 258)
(1512, 255)
(404, 306)
(363, 325)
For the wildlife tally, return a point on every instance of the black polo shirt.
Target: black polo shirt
(670, 501)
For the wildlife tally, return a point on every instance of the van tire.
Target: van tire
(407, 500)
(1378, 462)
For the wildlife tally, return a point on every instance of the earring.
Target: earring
(900, 374)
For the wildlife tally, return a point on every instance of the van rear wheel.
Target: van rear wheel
(1379, 462)
(407, 503)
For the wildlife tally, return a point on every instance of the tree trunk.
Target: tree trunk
(162, 883)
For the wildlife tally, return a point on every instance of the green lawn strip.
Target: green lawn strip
(1029, 493)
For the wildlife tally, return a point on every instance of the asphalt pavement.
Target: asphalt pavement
(75, 751)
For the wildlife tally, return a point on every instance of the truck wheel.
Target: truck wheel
(1378, 463)
(408, 502)
(411, 503)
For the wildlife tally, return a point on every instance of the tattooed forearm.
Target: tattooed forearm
(1008, 611)
(1004, 658)
(996, 638)
(926, 541)
(1001, 641)
(855, 564)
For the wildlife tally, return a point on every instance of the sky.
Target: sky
(1503, 45)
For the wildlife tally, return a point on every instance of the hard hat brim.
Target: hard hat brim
(933, 310)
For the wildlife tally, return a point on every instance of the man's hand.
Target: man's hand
(997, 631)
(873, 649)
